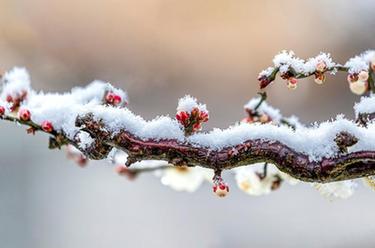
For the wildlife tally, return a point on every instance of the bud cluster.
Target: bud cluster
(16, 99)
(191, 115)
(114, 99)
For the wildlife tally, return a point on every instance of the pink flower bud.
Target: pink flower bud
(47, 126)
(292, 83)
(221, 189)
(319, 78)
(24, 114)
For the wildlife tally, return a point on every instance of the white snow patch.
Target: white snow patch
(188, 103)
(15, 81)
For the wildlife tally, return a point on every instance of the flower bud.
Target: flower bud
(24, 114)
(182, 117)
(2, 111)
(197, 126)
(204, 116)
(292, 83)
(221, 189)
(358, 87)
(321, 66)
(352, 78)
(264, 118)
(116, 100)
(319, 78)
(113, 99)
(363, 76)
(47, 126)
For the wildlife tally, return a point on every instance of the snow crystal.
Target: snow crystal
(62, 109)
(356, 65)
(85, 140)
(95, 92)
(267, 72)
(188, 103)
(365, 106)
(264, 108)
(369, 56)
(286, 60)
(15, 81)
(294, 121)
(311, 64)
(116, 119)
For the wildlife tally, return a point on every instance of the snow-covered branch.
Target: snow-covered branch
(291, 68)
(96, 121)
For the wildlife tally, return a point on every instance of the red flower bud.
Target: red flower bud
(109, 97)
(116, 99)
(263, 82)
(204, 116)
(47, 126)
(24, 114)
(195, 112)
(2, 110)
(182, 117)
(197, 126)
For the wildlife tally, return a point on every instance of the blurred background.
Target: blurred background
(160, 50)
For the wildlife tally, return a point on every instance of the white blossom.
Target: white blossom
(341, 189)
(249, 179)
(185, 178)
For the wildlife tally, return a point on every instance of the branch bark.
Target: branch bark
(342, 167)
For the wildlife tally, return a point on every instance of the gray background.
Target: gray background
(159, 50)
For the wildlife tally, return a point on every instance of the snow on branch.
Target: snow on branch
(95, 123)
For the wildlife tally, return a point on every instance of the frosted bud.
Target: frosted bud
(264, 118)
(358, 87)
(321, 66)
(363, 76)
